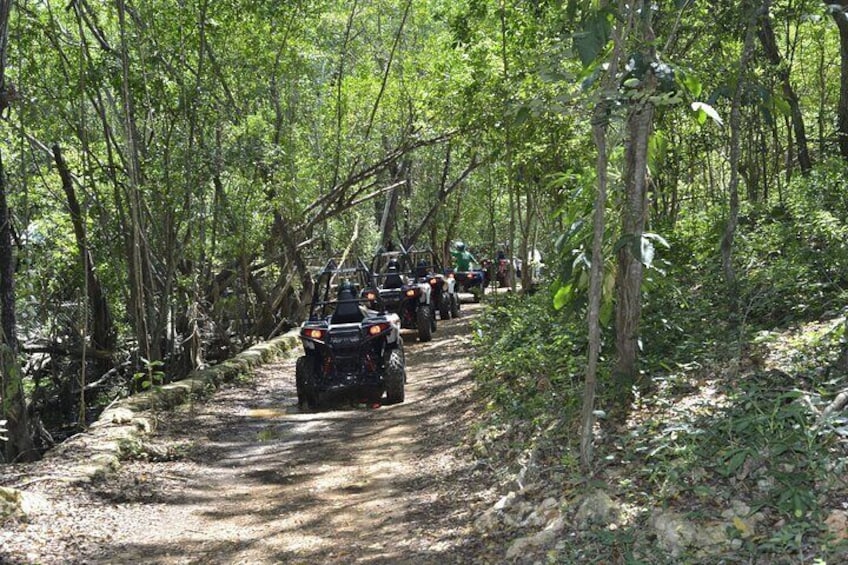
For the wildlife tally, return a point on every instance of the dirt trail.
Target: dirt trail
(251, 479)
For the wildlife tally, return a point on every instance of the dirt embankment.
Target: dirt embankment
(245, 477)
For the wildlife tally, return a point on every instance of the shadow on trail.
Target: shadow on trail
(272, 484)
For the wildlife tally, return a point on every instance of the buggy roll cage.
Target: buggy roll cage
(324, 283)
(434, 262)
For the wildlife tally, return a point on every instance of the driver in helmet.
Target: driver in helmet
(463, 257)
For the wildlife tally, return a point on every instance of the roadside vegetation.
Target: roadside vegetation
(729, 410)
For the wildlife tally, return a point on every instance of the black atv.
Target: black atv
(442, 287)
(473, 281)
(350, 350)
(400, 292)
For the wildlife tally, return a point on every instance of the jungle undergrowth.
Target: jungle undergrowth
(732, 415)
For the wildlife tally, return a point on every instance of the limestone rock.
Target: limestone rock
(118, 415)
(545, 538)
(11, 503)
(547, 510)
(488, 521)
(506, 501)
(597, 508)
(837, 525)
(674, 532)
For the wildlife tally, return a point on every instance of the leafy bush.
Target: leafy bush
(530, 356)
(795, 256)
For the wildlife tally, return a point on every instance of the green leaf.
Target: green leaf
(522, 115)
(624, 240)
(735, 461)
(707, 111)
(657, 238)
(782, 105)
(590, 42)
(562, 296)
(657, 148)
(606, 310)
(691, 84)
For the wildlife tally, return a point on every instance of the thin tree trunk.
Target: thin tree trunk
(337, 158)
(19, 446)
(137, 253)
(441, 196)
(388, 219)
(769, 43)
(629, 276)
(735, 152)
(103, 332)
(628, 308)
(510, 181)
(287, 238)
(600, 125)
(840, 16)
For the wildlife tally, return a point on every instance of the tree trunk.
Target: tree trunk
(287, 238)
(769, 43)
(388, 219)
(444, 191)
(735, 151)
(103, 332)
(596, 275)
(628, 310)
(508, 153)
(628, 307)
(137, 252)
(839, 11)
(840, 16)
(19, 446)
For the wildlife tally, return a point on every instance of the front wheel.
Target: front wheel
(395, 377)
(300, 379)
(425, 323)
(454, 304)
(445, 306)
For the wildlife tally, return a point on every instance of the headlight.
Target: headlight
(411, 292)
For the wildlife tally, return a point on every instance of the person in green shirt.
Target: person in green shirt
(463, 257)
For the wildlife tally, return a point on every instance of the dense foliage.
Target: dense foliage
(730, 410)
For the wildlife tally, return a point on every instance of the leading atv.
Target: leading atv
(400, 292)
(470, 276)
(350, 350)
(443, 287)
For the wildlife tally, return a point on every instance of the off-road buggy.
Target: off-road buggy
(350, 350)
(429, 269)
(400, 292)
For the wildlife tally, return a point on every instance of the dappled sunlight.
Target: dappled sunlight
(350, 483)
